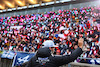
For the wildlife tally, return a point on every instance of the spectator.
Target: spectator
(27, 32)
(43, 56)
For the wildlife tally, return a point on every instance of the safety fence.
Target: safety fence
(5, 62)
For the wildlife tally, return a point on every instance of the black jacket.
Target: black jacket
(43, 58)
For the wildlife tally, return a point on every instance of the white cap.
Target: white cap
(48, 43)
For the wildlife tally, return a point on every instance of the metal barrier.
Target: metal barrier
(5, 62)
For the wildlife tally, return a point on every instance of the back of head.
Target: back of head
(43, 52)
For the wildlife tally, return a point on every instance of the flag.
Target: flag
(8, 54)
(11, 54)
(94, 61)
(21, 58)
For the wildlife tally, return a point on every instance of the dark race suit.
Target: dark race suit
(44, 58)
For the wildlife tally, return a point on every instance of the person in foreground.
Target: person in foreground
(44, 57)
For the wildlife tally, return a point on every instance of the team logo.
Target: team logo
(42, 61)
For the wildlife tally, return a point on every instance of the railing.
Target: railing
(5, 62)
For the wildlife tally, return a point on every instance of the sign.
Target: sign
(8, 54)
(22, 58)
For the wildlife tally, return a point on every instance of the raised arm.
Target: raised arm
(61, 60)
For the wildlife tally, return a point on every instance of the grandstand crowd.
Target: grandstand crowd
(64, 27)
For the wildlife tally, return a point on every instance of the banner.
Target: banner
(22, 58)
(8, 54)
(92, 61)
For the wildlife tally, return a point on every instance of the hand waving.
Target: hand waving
(80, 42)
